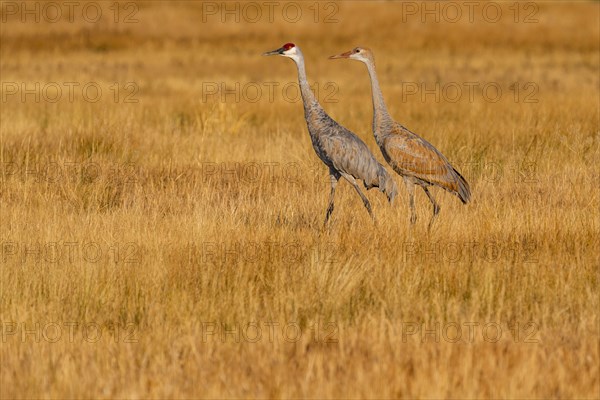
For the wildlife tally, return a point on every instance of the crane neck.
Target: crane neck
(380, 112)
(308, 97)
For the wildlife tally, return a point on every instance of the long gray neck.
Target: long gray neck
(381, 116)
(308, 98)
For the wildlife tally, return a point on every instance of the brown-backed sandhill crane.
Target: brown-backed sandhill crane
(411, 156)
(341, 150)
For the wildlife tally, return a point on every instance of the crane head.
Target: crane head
(287, 50)
(358, 53)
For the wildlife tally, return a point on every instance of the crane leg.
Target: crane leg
(334, 177)
(411, 200)
(436, 207)
(352, 181)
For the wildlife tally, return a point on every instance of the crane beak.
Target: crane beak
(277, 52)
(343, 55)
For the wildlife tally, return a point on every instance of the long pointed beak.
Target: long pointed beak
(343, 55)
(274, 52)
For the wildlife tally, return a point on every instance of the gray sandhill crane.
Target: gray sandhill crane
(341, 150)
(411, 156)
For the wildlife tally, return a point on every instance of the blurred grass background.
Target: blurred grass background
(183, 212)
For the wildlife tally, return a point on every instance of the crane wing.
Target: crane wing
(349, 154)
(411, 155)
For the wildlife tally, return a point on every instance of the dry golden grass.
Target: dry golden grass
(163, 223)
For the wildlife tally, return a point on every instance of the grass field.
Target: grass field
(162, 205)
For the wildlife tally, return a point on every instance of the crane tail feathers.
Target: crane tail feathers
(463, 190)
(385, 183)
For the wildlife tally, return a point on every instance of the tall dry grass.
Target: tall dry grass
(171, 247)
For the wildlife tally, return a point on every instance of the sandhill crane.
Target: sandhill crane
(341, 150)
(411, 156)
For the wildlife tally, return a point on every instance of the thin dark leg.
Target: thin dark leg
(334, 177)
(436, 207)
(352, 181)
(411, 201)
